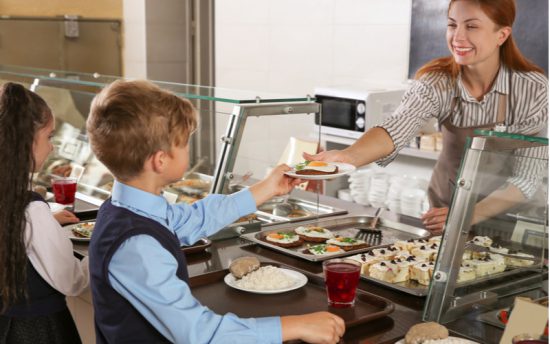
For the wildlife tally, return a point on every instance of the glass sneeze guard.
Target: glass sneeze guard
(495, 243)
(223, 113)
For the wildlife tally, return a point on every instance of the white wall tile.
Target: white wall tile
(392, 12)
(241, 11)
(282, 12)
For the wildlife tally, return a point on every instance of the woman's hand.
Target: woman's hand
(434, 219)
(64, 217)
(319, 327)
(275, 184)
(328, 156)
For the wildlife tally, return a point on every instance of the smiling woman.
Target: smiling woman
(486, 83)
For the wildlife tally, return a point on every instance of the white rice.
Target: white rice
(266, 278)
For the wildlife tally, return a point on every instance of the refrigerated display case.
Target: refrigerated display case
(495, 243)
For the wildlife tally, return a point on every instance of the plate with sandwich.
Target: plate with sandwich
(81, 231)
(320, 170)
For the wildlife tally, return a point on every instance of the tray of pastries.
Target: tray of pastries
(408, 265)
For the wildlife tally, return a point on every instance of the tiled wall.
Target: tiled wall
(292, 46)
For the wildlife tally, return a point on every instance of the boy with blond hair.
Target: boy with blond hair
(138, 272)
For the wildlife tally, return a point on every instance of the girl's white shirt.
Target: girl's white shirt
(51, 252)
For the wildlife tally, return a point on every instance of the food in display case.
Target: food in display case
(312, 233)
(284, 239)
(347, 232)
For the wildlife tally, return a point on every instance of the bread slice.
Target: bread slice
(243, 265)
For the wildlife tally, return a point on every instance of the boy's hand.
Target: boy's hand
(64, 217)
(319, 327)
(275, 184)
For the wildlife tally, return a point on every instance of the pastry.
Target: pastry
(422, 272)
(484, 241)
(425, 252)
(314, 233)
(421, 333)
(486, 266)
(388, 271)
(366, 259)
(466, 273)
(519, 262)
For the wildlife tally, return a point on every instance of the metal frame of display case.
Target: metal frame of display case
(442, 305)
(234, 132)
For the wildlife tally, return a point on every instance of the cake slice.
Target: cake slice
(422, 272)
(366, 259)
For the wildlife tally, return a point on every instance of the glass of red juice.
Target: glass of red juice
(341, 279)
(64, 190)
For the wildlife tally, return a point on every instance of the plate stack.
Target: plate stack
(359, 184)
(412, 202)
(378, 190)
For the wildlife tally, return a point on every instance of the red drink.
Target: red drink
(341, 278)
(64, 190)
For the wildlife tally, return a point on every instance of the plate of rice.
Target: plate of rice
(267, 279)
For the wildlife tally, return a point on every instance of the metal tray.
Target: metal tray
(417, 289)
(212, 292)
(199, 246)
(302, 211)
(349, 227)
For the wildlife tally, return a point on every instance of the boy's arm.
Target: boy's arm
(150, 284)
(209, 215)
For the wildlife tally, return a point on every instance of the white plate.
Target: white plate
(300, 278)
(343, 169)
(450, 340)
(71, 235)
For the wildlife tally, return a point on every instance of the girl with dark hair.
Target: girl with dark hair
(37, 266)
(486, 83)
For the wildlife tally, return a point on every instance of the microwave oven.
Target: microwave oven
(350, 111)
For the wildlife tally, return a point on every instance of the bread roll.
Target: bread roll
(243, 265)
(420, 333)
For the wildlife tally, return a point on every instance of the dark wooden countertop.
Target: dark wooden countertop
(389, 329)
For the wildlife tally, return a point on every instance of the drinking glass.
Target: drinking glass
(64, 190)
(341, 279)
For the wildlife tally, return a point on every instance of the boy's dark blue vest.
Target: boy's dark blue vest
(42, 299)
(116, 320)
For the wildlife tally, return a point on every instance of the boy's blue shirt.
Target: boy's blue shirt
(144, 273)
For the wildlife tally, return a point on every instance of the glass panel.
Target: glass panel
(188, 91)
(257, 118)
(496, 236)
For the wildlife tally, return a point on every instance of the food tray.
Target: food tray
(349, 227)
(302, 211)
(199, 246)
(212, 292)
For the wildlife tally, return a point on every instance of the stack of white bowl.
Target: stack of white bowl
(393, 200)
(359, 184)
(412, 201)
(379, 184)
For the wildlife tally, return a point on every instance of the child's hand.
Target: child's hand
(275, 184)
(319, 327)
(64, 217)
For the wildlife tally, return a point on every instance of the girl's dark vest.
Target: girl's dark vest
(116, 320)
(42, 299)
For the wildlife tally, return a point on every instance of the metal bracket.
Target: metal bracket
(228, 140)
